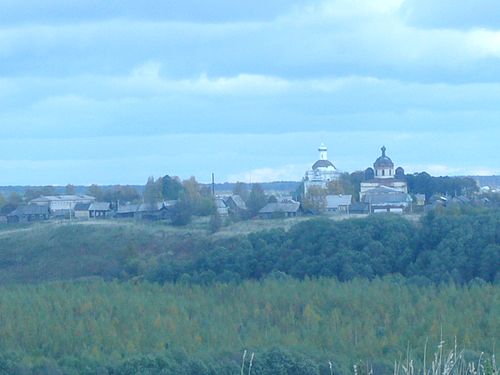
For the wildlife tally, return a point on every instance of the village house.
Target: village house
(81, 211)
(386, 199)
(222, 209)
(100, 210)
(126, 211)
(338, 203)
(235, 204)
(29, 213)
(62, 205)
(146, 211)
(280, 209)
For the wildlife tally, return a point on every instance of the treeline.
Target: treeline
(449, 245)
(424, 183)
(292, 326)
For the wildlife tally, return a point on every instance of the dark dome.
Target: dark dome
(323, 164)
(384, 161)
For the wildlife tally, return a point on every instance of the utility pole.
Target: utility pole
(213, 184)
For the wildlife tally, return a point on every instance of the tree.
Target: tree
(191, 189)
(12, 202)
(356, 179)
(49, 190)
(256, 199)
(96, 192)
(341, 186)
(215, 222)
(70, 189)
(315, 199)
(31, 194)
(241, 189)
(201, 201)
(152, 191)
(121, 194)
(171, 187)
(182, 211)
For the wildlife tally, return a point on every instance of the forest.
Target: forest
(291, 326)
(448, 245)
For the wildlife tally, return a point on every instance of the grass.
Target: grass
(64, 250)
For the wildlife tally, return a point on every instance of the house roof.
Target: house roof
(32, 209)
(99, 206)
(55, 198)
(127, 208)
(334, 201)
(383, 190)
(280, 207)
(238, 201)
(148, 207)
(386, 195)
(82, 207)
(219, 203)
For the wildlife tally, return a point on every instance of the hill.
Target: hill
(449, 245)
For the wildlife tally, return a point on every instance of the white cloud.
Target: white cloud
(484, 43)
(293, 172)
(450, 170)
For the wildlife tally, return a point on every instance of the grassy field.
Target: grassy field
(51, 251)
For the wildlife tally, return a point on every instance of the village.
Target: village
(324, 190)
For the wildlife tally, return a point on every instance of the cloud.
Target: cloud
(464, 15)
(147, 101)
(447, 170)
(484, 43)
(254, 87)
(340, 37)
(293, 172)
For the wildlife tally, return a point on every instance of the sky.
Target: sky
(116, 91)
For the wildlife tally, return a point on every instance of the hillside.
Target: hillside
(443, 246)
(61, 251)
(64, 250)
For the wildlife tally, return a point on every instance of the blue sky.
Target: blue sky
(116, 91)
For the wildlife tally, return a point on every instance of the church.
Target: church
(322, 172)
(385, 188)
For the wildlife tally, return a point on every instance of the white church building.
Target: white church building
(385, 188)
(322, 172)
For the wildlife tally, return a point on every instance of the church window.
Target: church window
(383, 172)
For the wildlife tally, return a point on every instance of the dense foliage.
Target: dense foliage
(448, 245)
(128, 328)
(423, 183)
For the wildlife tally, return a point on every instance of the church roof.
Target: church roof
(383, 161)
(323, 164)
(385, 195)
